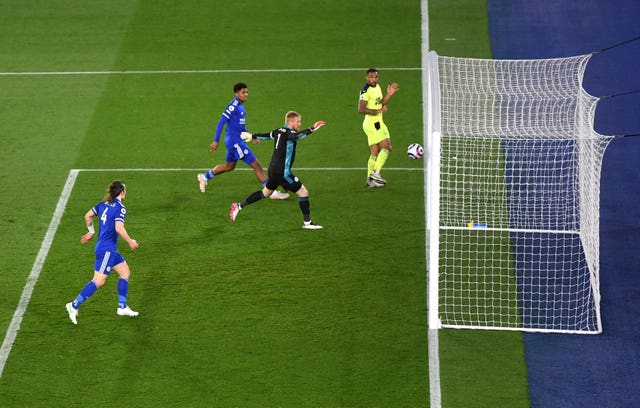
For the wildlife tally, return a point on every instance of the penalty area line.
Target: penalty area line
(14, 326)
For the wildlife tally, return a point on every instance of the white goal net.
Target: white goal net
(513, 195)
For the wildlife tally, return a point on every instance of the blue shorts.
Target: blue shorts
(107, 260)
(240, 151)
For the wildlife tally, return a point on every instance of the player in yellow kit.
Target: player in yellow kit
(372, 105)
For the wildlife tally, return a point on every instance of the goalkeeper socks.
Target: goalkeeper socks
(123, 291)
(371, 164)
(305, 207)
(86, 292)
(209, 175)
(255, 196)
(382, 159)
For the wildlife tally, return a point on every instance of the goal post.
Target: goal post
(513, 190)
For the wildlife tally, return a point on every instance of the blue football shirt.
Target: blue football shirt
(108, 214)
(235, 118)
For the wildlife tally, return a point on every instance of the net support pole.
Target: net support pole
(434, 231)
(432, 175)
(431, 118)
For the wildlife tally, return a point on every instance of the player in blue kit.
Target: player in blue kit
(234, 118)
(111, 214)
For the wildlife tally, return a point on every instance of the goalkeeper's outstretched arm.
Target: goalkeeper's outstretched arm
(264, 136)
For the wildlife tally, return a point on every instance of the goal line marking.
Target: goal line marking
(433, 343)
(27, 291)
(199, 71)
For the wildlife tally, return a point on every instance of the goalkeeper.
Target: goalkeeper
(372, 105)
(285, 140)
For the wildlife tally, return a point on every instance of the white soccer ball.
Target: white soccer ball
(415, 151)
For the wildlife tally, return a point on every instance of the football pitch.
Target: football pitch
(256, 312)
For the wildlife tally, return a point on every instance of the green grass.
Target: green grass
(475, 291)
(252, 313)
(246, 312)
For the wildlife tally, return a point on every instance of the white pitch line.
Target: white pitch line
(435, 395)
(435, 388)
(250, 169)
(200, 71)
(14, 326)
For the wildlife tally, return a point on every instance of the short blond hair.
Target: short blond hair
(291, 115)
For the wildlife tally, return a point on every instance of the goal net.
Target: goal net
(513, 195)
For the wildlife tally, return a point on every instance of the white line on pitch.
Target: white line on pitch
(433, 343)
(250, 169)
(199, 71)
(27, 291)
(14, 326)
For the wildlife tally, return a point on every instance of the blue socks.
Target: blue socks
(91, 288)
(86, 292)
(123, 290)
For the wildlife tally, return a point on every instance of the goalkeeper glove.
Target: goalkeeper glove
(317, 125)
(246, 136)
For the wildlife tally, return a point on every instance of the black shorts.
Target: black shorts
(289, 183)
